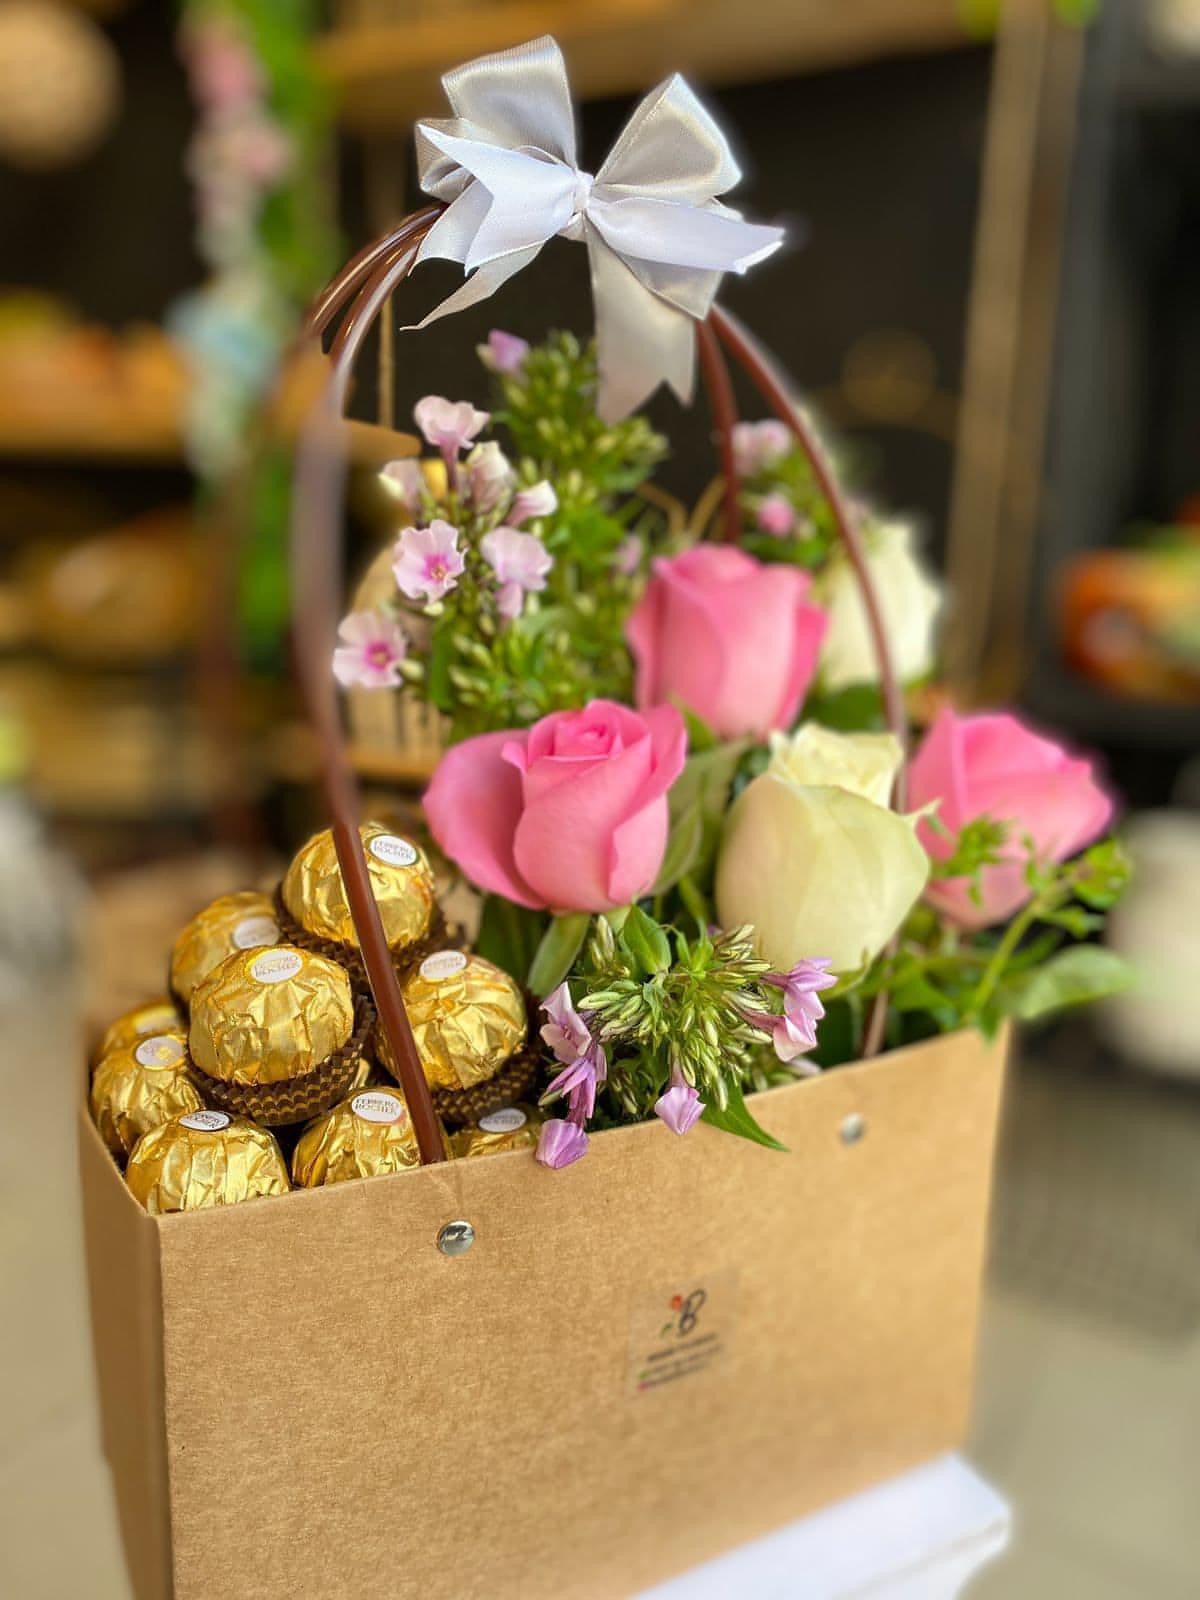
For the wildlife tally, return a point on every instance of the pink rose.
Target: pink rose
(992, 765)
(731, 638)
(569, 815)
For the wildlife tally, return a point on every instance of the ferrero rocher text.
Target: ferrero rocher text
(156, 1016)
(138, 1086)
(509, 1128)
(366, 1135)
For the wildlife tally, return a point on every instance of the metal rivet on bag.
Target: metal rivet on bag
(853, 1127)
(456, 1238)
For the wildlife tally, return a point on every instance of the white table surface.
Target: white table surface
(918, 1537)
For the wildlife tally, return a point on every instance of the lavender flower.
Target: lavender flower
(503, 353)
(371, 650)
(800, 988)
(679, 1106)
(428, 561)
(560, 1143)
(585, 1066)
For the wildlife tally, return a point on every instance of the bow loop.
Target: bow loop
(658, 238)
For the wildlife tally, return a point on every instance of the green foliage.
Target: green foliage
(815, 535)
(556, 953)
(1072, 978)
(735, 1117)
(509, 935)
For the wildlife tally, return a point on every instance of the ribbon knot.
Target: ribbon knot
(658, 238)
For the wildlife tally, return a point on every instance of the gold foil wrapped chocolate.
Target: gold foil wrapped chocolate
(265, 1016)
(156, 1016)
(467, 1016)
(509, 1128)
(400, 875)
(205, 1158)
(244, 920)
(138, 1086)
(369, 1134)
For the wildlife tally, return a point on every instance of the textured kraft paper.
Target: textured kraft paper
(303, 1396)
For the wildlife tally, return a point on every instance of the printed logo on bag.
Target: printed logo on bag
(252, 931)
(205, 1121)
(375, 1105)
(445, 964)
(160, 1051)
(506, 1120)
(277, 966)
(392, 850)
(682, 1334)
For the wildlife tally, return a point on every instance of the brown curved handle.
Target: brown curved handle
(366, 284)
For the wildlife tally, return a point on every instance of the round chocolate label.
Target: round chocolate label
(252, 931)
(376, 1105)
(276, 966)
(160, 1051)
(445, 964)
(392, 850)
(205, 1121)
(507, 1120)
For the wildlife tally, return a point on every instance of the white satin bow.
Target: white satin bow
(658, 239)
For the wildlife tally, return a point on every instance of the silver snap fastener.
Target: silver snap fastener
(853, 1127)
(456, 1238)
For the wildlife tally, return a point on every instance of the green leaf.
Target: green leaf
(703, 787)
(561, 943)
(644, 940)
(700, 736)
(509, 935)
(1088, 972)
(1075, 920)
(736, 1119)
(683, 848)
(1103, 875)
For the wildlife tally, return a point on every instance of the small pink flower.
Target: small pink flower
(538, 501)
(489, 477)
(791, 1034)
(560, 1143)
(503, 352)
(405, 482)
(567, 1034)
(520, 562)
(757, 445)
(776, 515)
(680, 1106)
(628, 558)
(800, 988)
(428, 561)
(585, 1065)
(371, 650)
(449, 425)
(223, 69)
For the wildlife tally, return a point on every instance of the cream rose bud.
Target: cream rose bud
(812, 857)
(909, 599)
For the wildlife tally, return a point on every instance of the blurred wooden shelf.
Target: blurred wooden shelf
(96, 432)
(292, 758)
(386, 71)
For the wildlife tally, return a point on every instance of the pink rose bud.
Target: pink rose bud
(503, 353)
(560, 1143)
(733, 639)
(776, 516)
(992, 765)
(569, 815)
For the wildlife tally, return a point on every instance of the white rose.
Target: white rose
(909, 599)
(812, 857)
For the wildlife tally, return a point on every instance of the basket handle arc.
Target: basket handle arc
(365, 286)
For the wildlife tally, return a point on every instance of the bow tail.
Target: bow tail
(641, 339)
(481, 285)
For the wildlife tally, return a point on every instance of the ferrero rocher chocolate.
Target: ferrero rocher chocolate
(266, 1016)
(138, 1086)
(467, 1017)
(400, 877)
(156, 1016)
(368, 1134)
(240, 921)
(509, 1128)
(205, 1158)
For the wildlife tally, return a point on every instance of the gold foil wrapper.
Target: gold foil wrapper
(139, 1086)
(264, 1016)
(205, 1158)
(156, 1016)
(400, 875)
(366, 1135)
(510, 1128)
(468, 1017)
(244, 920)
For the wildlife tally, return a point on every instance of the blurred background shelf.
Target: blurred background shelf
(385, 57)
